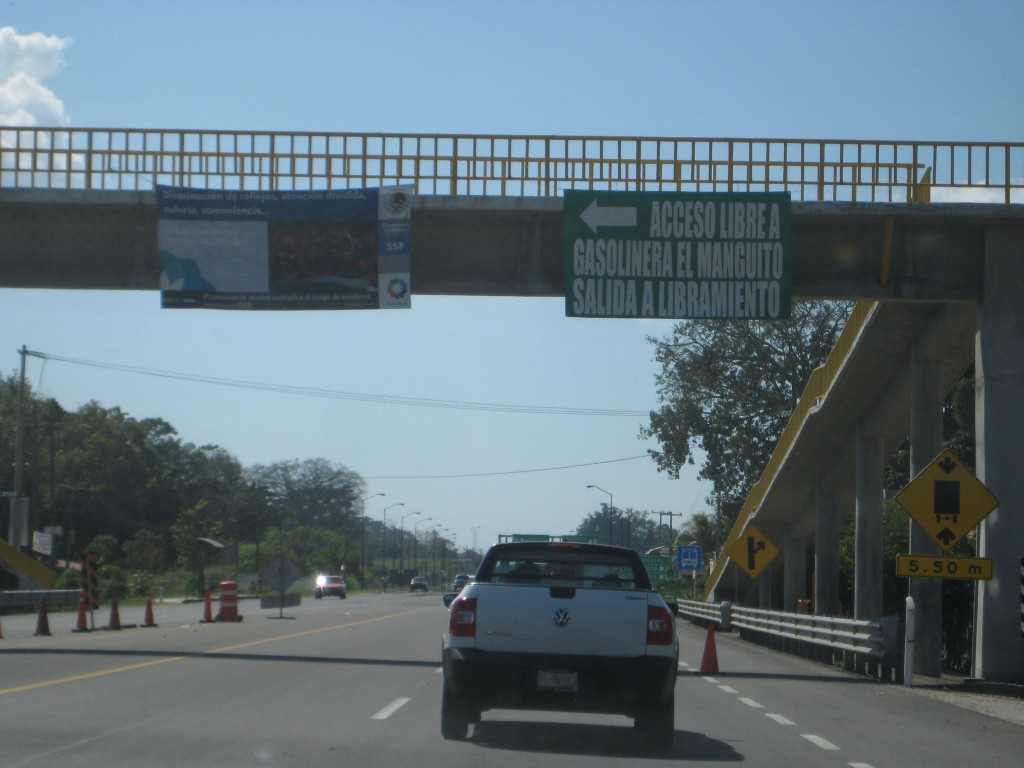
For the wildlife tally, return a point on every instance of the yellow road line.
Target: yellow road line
(224, 649)
(304, 633)
(88, 675)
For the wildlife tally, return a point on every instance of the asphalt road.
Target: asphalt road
(356, 682)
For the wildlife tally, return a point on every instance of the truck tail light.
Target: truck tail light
(659, 625)
(462, 619)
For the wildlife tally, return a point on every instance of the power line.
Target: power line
(508, 472)
(338, 395)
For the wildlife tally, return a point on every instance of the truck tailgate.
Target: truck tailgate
(541, 619)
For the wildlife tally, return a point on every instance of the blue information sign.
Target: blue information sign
(690, 559)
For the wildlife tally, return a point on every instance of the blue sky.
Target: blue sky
(865, 70)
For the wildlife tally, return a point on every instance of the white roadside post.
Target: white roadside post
(908, 646)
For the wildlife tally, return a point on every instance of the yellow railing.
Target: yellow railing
(516, 166)
(817, 387)
(27, 566)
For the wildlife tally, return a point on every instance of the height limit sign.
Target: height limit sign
(946, 500)
(680, 255)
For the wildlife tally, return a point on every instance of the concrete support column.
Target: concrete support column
(826, 555)
(925, 445)
(999, 424)
(794, 574)
(867, 593)
(769, 582)
(764, 589)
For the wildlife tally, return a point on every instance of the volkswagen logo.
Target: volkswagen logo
(562, 618)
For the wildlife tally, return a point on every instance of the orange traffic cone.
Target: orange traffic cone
(115, 617)
(147, 621)
(709, 664)
(207, 610)
(82, 625)
(43, 622)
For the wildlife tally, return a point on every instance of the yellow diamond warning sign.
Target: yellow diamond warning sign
(752, 551)
(946, 500)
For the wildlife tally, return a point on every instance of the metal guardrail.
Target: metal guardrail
(861, 637)
(709, 612)
(515, 166)
(867, 638)
(30, 598)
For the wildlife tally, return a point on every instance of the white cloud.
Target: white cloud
(977, 194)
(25, 60)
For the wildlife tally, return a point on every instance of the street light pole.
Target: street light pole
(415, 535)
(433, 547)
(362, 538)
(611, 506)
(401, 543)
(384, 535)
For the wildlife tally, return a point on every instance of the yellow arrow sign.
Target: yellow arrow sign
(946, 500)
(752, 551)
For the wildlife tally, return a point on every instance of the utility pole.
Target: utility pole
(671, 524)
(18, 526)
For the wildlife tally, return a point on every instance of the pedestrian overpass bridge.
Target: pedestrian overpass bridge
(927, 237)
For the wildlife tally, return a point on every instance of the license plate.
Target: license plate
(558, 680)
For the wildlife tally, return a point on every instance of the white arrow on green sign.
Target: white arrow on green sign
(677, 255)
(609, 216)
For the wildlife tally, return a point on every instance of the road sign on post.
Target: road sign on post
(677, 255)
(946, 500)
(752, 552)
(929, 566)
(690, 559)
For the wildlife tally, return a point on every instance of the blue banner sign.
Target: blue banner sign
(316, 249)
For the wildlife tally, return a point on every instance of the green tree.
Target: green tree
(113, 473)
(189, 531)
(704, 530)
(728, 387)
(313, 492)
(106, 549)
(146, 551)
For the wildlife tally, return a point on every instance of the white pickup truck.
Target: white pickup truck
(565, 627)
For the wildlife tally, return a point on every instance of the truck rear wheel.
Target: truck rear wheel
(455, 716)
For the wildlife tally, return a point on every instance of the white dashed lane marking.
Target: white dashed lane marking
(390, 709)
(820, 742)
(781, 720)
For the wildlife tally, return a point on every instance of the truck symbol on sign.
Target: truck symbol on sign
(946, 500)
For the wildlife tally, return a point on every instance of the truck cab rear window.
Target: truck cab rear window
(563, 568)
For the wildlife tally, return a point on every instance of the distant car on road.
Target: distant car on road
(419, 584)
(332, 586)
(461, 580)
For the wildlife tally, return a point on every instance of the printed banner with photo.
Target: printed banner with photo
(318, 249)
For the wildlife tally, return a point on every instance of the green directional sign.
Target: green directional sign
(677, 255)
(657, 567)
